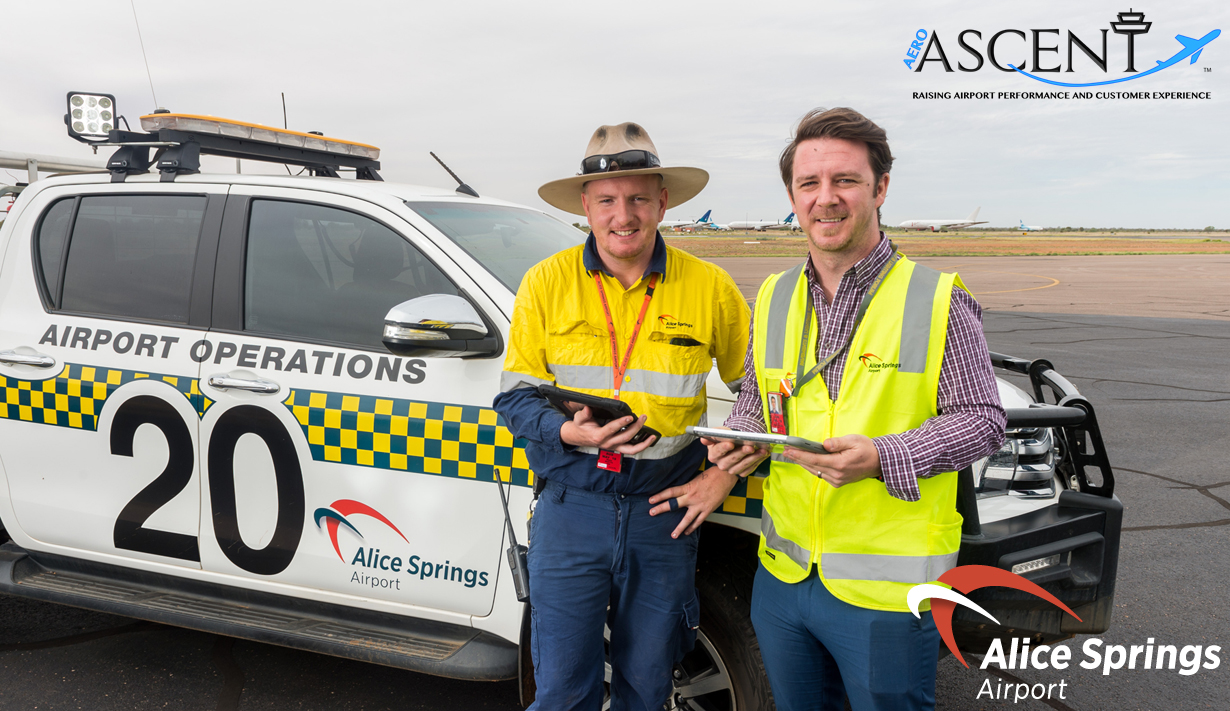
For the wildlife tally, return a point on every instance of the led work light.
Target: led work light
(91, 116)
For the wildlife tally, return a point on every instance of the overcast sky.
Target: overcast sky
(509, 93)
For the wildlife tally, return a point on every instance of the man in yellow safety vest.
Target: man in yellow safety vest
(884, 361)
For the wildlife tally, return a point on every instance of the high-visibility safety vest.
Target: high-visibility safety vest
(871, 548)
(696, 317)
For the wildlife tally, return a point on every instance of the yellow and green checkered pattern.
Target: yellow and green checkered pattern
(747, 498)
(75, 397)
(437, 438)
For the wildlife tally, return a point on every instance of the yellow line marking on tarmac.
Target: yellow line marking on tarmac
(1053, 281)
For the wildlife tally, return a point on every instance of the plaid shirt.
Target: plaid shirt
(971, 420)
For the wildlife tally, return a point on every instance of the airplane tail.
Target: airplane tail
(789, 219)
(973, 215)
(1022, 224)
(704, 217)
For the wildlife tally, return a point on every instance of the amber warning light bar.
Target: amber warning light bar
(180, 139)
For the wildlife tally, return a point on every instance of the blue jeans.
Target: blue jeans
(588, 551)
(817, 649)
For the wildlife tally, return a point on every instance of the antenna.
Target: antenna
(517, 561)
(132, 3)
(461, 188)
(285, 125)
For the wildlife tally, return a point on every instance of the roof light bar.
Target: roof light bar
(190, 123)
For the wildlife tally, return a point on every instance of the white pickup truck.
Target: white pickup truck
(221, 409)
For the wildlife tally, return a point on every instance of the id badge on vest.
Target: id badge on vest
(777, 407)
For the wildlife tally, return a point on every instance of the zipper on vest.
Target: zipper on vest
(817, 536)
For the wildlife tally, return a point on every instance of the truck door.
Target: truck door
(331, 464)
(103, 291)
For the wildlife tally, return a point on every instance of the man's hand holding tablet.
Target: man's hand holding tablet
(741, 459)
(583, 430)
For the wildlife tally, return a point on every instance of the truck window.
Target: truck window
(132, 255)
(322, 273)
(507, 241)
(52, 233)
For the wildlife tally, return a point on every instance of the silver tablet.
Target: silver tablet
(772, 442)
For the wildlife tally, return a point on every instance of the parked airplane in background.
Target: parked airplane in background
(1029, 228)
(762, 225)
(676, 224)
(943, 225)
(787, 224)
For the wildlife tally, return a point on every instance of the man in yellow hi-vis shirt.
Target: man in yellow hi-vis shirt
(623, 316)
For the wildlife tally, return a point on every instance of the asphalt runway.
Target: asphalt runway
(1170, 285)
(1161, 387)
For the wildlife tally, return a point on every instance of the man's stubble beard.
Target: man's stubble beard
(854, 236)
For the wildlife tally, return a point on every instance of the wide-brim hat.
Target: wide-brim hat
(603, 160)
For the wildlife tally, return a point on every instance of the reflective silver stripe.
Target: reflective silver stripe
(887, 568)
(916, 321)
(665, 384)
(775, 457)
(736, 385)
(598, 377)
(511, 381)
(779, 309)
(589, 377)
(797, 553)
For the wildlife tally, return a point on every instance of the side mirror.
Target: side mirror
(440, 325)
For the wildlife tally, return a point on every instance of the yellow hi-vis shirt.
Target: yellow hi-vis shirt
(559, 335)
(870, 548)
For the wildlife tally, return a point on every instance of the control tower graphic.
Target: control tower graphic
(1131, 24)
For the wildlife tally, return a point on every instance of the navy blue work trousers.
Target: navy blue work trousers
(589, 551)
(818, 650)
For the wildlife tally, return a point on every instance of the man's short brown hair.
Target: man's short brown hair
(839, 123)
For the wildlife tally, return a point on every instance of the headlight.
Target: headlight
(997, 472)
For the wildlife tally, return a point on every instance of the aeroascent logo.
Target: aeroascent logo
(1092, 59)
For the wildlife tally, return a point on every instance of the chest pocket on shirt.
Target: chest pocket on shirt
(578, 343)
(680, 353)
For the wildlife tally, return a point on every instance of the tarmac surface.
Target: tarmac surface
(1161, 387)
(1169, 285)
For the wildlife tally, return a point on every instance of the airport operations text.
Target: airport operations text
(1064, 95)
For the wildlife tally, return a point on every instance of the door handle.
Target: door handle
(37, 360)
(223, 382)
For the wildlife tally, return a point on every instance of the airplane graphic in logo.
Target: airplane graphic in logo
(335, 514)
(966, 579)
(1191, 48)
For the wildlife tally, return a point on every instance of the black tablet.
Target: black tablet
(604, 409)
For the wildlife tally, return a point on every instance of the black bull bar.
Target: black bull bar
(1083, 529)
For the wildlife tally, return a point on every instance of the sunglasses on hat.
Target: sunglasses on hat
(627, 160)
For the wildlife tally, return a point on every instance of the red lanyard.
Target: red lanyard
(620, 369)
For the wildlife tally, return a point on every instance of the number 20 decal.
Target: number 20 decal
(130, 533)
